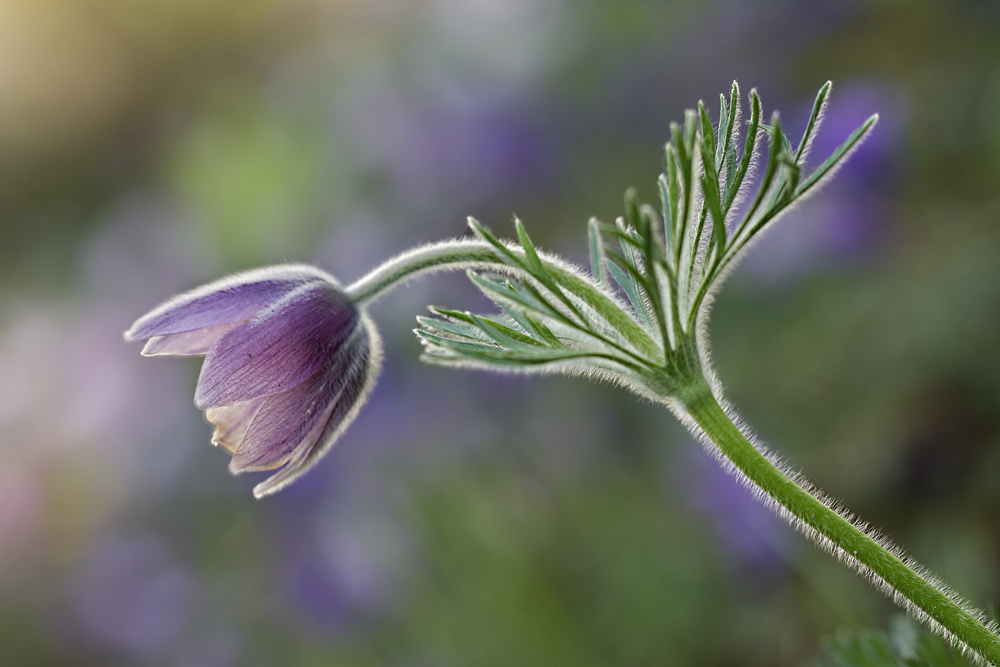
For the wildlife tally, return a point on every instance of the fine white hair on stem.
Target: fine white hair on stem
(825, 542)
(420, 261)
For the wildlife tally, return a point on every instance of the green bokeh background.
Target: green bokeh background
(466, 519)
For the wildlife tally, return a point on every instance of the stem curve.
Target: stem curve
(444, 255)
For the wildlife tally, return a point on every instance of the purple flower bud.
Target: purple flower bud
(289, 360)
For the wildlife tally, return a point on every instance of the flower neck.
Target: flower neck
(441, 256)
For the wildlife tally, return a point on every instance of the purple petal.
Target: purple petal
(198, 341)
(295, 418)
(283, 346)
(233, 299)
(360, 377)
(232, 421)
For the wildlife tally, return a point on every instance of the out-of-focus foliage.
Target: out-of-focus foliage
(903, 646)
(469, 519)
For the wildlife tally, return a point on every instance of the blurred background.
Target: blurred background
(467, 519)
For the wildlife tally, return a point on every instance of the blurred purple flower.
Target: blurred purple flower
(348, 570)
(289, 360)
(750, 536)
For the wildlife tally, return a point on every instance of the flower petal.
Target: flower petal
(232, 421)
(198, 341)
(283, 346)
(360, 378)
(295, 418)
(233, 299)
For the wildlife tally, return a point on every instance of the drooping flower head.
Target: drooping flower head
(289, 361)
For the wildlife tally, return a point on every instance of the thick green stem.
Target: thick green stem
(913, 591)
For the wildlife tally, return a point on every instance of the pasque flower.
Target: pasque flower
(290, 353)
(289, 358)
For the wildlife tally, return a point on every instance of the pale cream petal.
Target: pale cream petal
(232, 421)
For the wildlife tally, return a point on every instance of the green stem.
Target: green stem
(450, 255)
(941, 610)
(481, 255)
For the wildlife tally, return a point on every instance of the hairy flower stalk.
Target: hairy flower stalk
(638, 318)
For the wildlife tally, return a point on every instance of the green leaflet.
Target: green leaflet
(626, 269)
(814, 119)
(837, 157)
(734, 185)
(451, 327)
(664, 269)
(596, 244)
